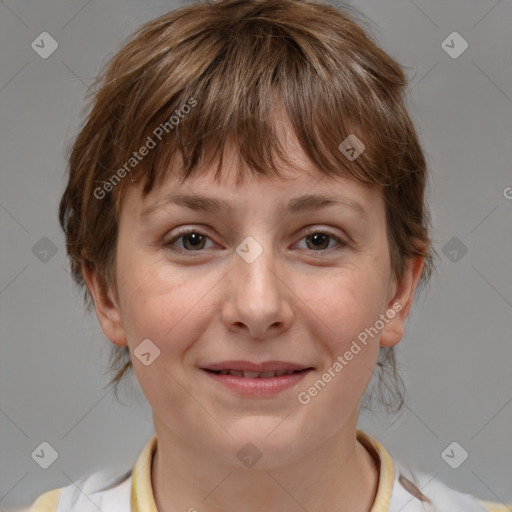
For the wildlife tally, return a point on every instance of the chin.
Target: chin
(264, 446)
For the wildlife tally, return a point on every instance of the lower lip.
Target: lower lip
(258, 387)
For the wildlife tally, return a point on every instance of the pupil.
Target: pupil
(194, 236)
(316, 237)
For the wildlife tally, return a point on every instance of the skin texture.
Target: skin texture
(295, 302)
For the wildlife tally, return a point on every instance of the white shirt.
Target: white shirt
(400, 489)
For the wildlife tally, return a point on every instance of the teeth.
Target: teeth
(256, 375)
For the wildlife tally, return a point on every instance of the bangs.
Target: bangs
(232, 85)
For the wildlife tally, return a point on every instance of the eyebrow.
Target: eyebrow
(296, 205)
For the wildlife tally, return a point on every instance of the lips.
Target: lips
(249, 369)
(255, 375)
(255, 384)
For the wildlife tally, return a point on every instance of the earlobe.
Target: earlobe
(107, 310)
(401, 302)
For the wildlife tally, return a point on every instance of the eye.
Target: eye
(194, 241)
(319, 240)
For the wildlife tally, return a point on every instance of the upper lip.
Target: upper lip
(266, 366)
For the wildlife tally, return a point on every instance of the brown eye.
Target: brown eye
(192, 241)
(319, 241)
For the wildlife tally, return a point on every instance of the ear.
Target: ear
(402, 297)
(106, 306)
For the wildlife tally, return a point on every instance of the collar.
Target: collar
(142, 499)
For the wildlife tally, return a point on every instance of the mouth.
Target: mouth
(256, 375)
(252, 384)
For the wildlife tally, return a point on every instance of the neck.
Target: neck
(339, 475)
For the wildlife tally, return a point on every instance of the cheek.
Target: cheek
(165, 305)
(154, 305)
(347, 304)
(342, 321)
(167, 312)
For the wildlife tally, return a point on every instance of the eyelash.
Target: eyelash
(169, 243)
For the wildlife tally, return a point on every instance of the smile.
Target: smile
(255, 375)
(257, 384)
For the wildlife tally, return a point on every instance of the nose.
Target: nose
(257, 297)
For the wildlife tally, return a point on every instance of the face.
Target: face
(254, 282)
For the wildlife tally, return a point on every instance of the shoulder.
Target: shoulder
(415, 491)
(47, 502)
(491, 506)
(404, 489)
(108, 491)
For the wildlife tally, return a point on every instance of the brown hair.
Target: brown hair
(207, 74)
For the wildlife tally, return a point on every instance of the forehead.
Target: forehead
(300, 193)
(299, 183)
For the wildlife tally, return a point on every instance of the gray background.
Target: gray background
(457, 351)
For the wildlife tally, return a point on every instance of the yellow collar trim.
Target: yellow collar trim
(386, 471)
(142, 499)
